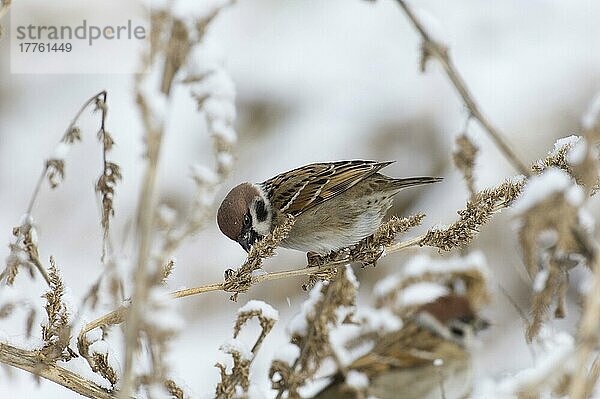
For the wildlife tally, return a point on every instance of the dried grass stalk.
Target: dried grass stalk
(329, 299)
(366, 252)
(56, 332)
(236, 383)
(464, 157)
(240, 280)
(478, 211)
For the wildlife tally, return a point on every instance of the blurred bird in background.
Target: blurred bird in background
(427, 358)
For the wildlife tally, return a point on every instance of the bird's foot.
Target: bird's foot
(313, 259)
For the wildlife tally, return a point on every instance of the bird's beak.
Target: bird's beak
(481, 324)
(245, 244)
(247, 239)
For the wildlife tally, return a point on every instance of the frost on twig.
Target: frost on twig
(235, 384)
(97, 358)
(240, 280)
(469, 273)
(577, 156)
(330, 303)
(557, 156)
(548, 378)
(554, 239)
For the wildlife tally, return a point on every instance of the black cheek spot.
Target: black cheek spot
(457, 331)
(261, 211)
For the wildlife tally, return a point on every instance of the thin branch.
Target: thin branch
(118, 315)
(30, 362)
(432, 48)
(294, 272)
(36, 190)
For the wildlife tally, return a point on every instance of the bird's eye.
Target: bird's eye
(247, 220)
(457, 331)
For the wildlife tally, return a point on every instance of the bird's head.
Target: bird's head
(245, 215)
(452, 317)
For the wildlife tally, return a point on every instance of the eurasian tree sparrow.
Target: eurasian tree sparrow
(335, 205)
(429, 352)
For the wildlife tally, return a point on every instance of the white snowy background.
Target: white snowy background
(315, 81)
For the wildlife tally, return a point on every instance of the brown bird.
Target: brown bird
(428, 353)
(335, 205)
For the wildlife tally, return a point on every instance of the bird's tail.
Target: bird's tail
(399, 184)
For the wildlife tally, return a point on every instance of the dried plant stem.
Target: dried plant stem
(4, 8)
(42, 176)
(413, 242)
(305, 351)
(107, 170)
(292, 273)
(30, 362)
(36, 190)
(38, 265)
(432, 48)
(587, 336)
(145, 221)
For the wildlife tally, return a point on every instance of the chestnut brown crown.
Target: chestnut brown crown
(234, 208)
(450, 307)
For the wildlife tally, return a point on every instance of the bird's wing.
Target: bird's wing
(396, 350)
(297, 190)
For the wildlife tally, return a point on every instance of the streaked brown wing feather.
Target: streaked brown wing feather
(409, 347)
(300, 189)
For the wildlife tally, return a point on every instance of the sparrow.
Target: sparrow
(335, 205)
(429, 352)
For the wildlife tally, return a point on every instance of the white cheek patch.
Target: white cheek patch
(426, 320)
(263, 228)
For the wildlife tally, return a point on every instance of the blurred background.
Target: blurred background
(315, 81)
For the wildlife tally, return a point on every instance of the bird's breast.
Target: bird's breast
(338, 223)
